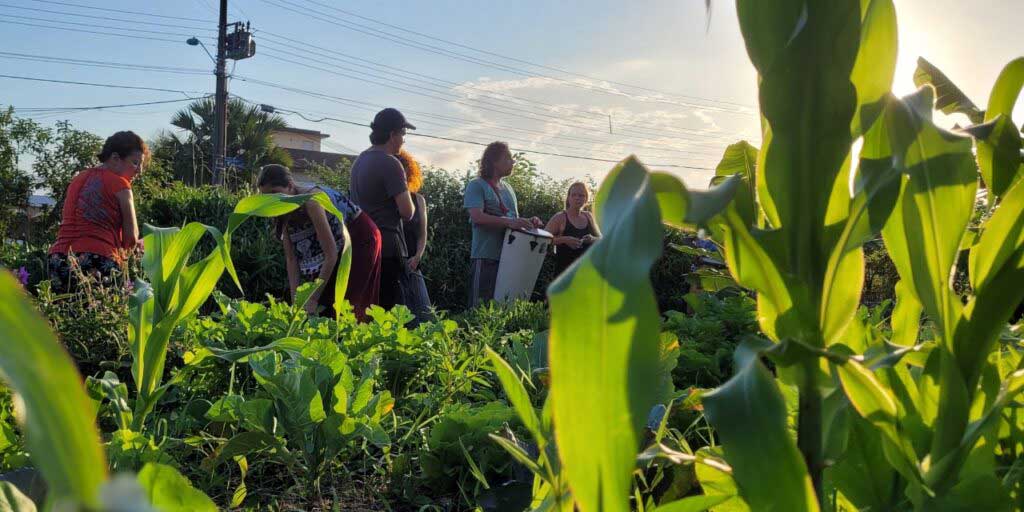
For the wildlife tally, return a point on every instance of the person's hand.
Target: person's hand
(520, 223)
(588, 239)
(414, 263)
(537, 223)
(312, 305)
(573, 242)
(140, 246)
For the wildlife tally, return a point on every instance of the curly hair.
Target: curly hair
(413, 175)
(491, 153)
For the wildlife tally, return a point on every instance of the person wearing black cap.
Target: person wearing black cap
(379, 187)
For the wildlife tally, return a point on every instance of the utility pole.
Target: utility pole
(220, 132)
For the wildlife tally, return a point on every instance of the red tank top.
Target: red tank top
(91, 219)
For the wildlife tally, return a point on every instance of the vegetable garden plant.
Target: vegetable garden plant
(828, 410)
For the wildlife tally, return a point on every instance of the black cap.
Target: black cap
(389, 120)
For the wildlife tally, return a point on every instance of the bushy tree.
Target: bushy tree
(249, 136)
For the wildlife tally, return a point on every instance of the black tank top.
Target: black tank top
(565, 255)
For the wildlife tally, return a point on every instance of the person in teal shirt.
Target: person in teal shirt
(492, 208)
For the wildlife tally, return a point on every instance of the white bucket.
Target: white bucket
(522, 255)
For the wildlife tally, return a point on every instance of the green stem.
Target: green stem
(809, 428)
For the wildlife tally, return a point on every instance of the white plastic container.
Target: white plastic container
(522, 254)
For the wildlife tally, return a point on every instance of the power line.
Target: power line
(549, 119)
(104, 18)
(99, 107)
(490, 135)
(522, 61)
(90, 31)
(546, 112)
(93, 84)
(101, 64)
(373, 32)
(374, 107)
(453, 139)
(31, 18)
(68, 4)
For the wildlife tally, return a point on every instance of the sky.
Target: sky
(592, 81)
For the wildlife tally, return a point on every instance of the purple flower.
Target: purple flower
(23, 276)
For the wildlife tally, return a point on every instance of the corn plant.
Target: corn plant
(177, 288)
(56, 416)
(792, 224)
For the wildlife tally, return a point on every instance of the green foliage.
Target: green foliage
(90, 323)
(249, 136)
(15, 134)
(459, 453)
(708, 337)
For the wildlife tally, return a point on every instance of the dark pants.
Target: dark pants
(392, 271)
(417, 299)
(483, 277)
(65, 271)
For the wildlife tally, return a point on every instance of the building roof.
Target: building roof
(303, 158)
(303, 132)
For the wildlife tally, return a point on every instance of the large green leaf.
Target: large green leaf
(58, 415)
(949, 98)
(936, 202)
(862, 474)
(517, 396)
(690, 208)
(876, 62)
(169, 491)
(692, 504)
(810, 137)
(770, 472)
(13, 500)
(604, 343)
(999, 156)
(1006, 90)
(876, 404)
(741, 158)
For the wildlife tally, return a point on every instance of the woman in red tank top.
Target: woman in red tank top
(98, 226)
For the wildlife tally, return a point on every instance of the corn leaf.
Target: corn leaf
(604, 340)
(61, 435)
(769, 470)
(949, 98)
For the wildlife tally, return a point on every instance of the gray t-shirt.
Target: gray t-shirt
(377, 178)
(479, 194)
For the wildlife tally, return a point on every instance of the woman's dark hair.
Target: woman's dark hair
(378, 137)
(491, 153)
(124, 144)
(274, 175)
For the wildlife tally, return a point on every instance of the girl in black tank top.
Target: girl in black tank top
(571, 239)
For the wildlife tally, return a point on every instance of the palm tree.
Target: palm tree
(249, 136)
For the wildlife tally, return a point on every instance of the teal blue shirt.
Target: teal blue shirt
(479, 194)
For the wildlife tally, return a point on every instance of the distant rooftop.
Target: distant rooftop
(304, 132)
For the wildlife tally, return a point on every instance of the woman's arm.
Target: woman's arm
(129, 225)
(421, 245)
(326, 238)
(291, 263)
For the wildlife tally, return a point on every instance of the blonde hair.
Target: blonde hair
(586, 190)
